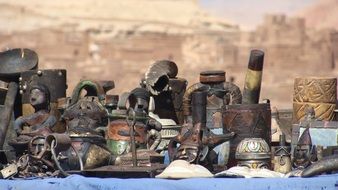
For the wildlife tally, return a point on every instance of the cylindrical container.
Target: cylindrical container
(199, 103)
(247, 121)
(62, 141)
(253, 78)
(54, 79)
(118, 136)
(319, 93)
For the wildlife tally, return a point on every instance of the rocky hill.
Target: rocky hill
(171, 16)
(322, 14)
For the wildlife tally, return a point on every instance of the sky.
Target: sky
(249, 13)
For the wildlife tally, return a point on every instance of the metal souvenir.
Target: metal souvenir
(247, 121)
(195, 138)
(85, 118)
(253, 78)
(253, 153)
(219, 94)
(304, 152)
(282, 157)
(167, 89)
(54, 79)
(319, 93)
(146, 129)
(16, 61)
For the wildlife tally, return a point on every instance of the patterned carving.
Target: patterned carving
(315, 90)
(323, 111)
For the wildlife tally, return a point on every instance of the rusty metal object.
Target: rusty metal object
(55, 79)
(40, 123)
(62, 142)
(253, 78)
(208, 77)
(111, 102)
(43, 157)
(158, 74)
(167, 89)
(56, 82)
(119, 171)
(282, 156)
(93, 88)
(187, 97)
(35, 123)
(145, 129)
(7, 111)
(246, 121)
(16, 61)
(38, 161)
(218, 90)
(145, 158)
(107, 85)
(195, 138)
(85, 117)
(118, 130)
(253, 153)
(319, 93)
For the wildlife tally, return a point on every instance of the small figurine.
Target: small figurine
(304, 152)
(41, 122)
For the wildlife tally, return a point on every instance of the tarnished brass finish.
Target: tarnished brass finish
(96, 156)
(253, 78)
(315, 90)
(323, 111)
(282, 164)
(247, 121)
(282, 157)
(144, 158)
(319, 93)
(253, 153)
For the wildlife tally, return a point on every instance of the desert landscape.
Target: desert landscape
(118, 40)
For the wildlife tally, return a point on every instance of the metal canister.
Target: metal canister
(247, 121)
(118, 136)
(316, 92)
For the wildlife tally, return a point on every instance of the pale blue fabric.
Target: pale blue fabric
(76, 182)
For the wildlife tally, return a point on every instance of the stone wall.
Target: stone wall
(291, 50)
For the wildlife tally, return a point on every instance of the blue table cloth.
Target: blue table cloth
(76, 182)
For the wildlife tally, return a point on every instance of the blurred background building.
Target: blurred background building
(118, 40)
